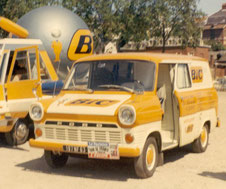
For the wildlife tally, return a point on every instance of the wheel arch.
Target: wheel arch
(30, 125)
(208, 123)
(158, 138)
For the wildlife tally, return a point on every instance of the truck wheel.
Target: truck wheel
(200, 144)
(18, 135)
(55, 160)
(146, 163)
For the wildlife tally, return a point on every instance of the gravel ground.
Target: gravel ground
(24, 167)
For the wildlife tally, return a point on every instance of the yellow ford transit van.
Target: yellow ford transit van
(128, 105)
(24, 64)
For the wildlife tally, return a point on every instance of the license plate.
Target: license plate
(103, 150)
(75, 149)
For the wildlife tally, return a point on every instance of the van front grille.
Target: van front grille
(80, 134)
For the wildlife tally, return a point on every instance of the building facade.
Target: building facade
(215, 28)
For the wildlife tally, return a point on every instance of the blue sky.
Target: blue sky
(210, 6)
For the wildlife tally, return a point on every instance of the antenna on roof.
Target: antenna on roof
(13, 28)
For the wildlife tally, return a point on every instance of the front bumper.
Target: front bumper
(58, 147)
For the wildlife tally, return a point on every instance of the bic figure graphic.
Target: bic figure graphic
(57, 47)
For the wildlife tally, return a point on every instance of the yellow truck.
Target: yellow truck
(24, 66)
(134, 105)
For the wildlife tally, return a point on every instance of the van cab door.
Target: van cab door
(23, 78)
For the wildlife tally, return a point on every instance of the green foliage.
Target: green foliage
(134, 21)
(100, 16)
(215, 45)
(117, 21)
(2, 6)
(14, 9)
(122, 21)
(177, 18)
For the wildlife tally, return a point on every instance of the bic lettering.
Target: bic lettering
(193, 74)
(85, 41)
(92, 102)
(197, 74)
(81, 45)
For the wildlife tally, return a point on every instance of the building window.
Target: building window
(212, 34)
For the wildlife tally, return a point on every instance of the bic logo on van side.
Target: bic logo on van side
(197, 74)
(81, 45)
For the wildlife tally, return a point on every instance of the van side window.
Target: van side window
(43, 70)
(9, 65)
(33, 65)
(183, 76)
(20, 70)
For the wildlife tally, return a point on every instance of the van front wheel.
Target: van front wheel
(146, 163)
(201, 143)
(55, 160)
(19, 134)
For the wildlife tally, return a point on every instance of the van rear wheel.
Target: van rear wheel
(55, 160)
(146, 163)
(201, 143)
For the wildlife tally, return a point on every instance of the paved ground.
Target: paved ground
(24, 167)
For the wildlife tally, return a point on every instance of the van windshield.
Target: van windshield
(129, 75)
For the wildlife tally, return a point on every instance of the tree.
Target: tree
(101, 19)
(118, 21)
(2, 6)
(14, 9)
(191, 26)
(176, 18)
(134, 21)
(215, 45)
(123, 21)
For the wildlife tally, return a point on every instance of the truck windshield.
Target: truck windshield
(127, 75)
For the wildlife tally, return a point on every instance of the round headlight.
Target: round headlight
(127, 115)
(36, 112)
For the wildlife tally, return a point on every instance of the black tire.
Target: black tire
(55, 160)
(200, 144)
(147, 162)
(19, 134)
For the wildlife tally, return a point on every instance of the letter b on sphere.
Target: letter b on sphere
(81, 45)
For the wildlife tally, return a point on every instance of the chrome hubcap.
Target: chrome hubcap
(21, 131)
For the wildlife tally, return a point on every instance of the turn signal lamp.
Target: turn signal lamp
(129, 138)
(38, 132)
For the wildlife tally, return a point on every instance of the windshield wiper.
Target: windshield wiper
(116, 87)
